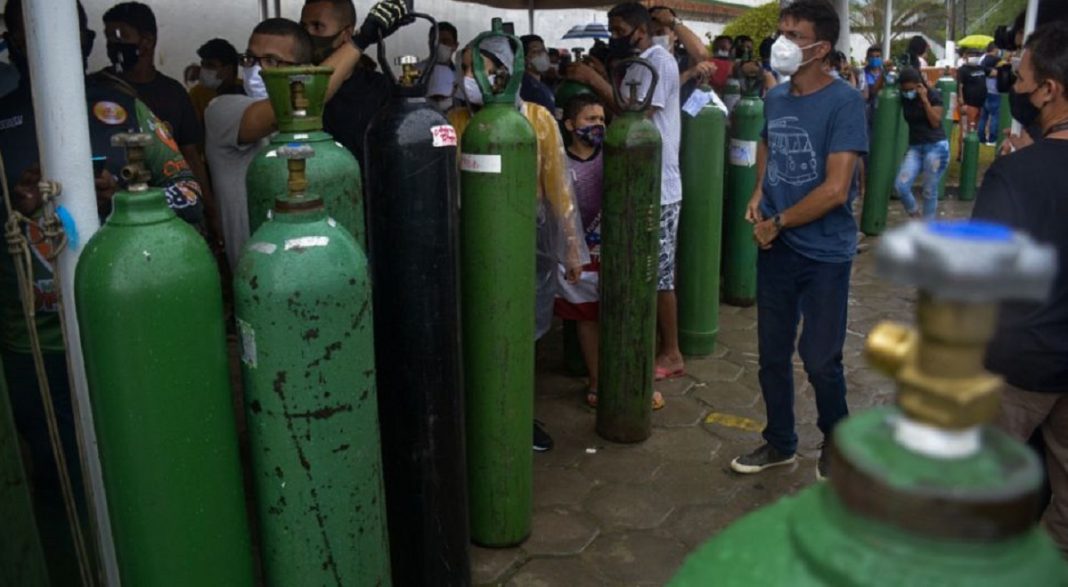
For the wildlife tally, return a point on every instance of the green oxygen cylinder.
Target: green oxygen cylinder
(947, 89)
(1004, 120)
(152, 328)
(297, 97)
(739, 250)
(569, 89)
(498, 187)
(732, 93)
(925, 492)
(630, 224)
(302, 299)
(883, 160)
(901, 146)
(969, 167)
(22, 560)
(700, 226)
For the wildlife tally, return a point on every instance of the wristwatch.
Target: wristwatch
(777, 221)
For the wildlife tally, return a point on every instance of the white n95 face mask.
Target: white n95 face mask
(472, 92)
(541, 63)
(209, 78)
(786, 56)
(662, 40)
(444, 54)
(253, 82)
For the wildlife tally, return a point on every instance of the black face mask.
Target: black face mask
(123, 56)
(322, 47)
(1022, 109)
(621, 47)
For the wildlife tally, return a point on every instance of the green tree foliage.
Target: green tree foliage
(758, 23)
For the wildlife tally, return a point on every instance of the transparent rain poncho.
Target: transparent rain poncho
(560, 238)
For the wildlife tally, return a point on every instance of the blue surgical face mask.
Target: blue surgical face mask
(875, 62)
(909, 95)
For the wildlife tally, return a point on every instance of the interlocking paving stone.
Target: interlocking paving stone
(687, 483)
(636, 558)
(489, 566)
(691, 444)
(568, 487)
(615, 463)
(571, 571)
(679, 412)
(715, 370)
(560, 531)
(634, 507)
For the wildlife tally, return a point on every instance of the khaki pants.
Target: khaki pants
(1023, 412)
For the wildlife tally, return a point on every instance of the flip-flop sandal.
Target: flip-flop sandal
(658, 399)
(661, 374)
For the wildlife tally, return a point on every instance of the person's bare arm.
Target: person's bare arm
(258, 120)
(934, 113)
(585, 74)
(696, 49)
(382, 20)
(211, 213)
(752, 211)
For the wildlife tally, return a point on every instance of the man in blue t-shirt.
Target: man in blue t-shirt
(802, 214)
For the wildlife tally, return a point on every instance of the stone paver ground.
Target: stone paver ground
(612, 514)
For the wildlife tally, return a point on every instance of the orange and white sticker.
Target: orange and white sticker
(443, 135)
(109, 113)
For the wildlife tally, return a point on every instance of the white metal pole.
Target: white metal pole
(1030, 21)
(845, 41)
(887, 21)
(1030, 17)
(56, 67)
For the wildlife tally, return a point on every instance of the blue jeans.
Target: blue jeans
(791, 286)
(988, 120)
(934, 159)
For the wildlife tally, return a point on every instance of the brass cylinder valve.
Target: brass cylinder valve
(963, 269)
(135, 173)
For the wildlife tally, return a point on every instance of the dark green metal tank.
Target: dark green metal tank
(630, 225)
(297, 96)
(701, 162)
(302, 298)
(151, 317)
(969, 167)
(498, 187)
(947, 89)
(883, 160)
(739, 250)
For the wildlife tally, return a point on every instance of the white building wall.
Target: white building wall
(184, 25)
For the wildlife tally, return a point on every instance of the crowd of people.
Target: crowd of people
(205, 138)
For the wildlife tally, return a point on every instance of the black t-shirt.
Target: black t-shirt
(348, 114)
(1028, 191)
(920, 129)
(972, 80)
(169, 101)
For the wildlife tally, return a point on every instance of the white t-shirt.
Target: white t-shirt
(229, 162)
(667, 118)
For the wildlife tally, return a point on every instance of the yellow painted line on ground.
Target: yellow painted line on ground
(732, 421)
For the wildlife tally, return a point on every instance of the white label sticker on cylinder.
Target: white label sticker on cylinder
(743, 153)
(480, 163)
(248, 343)
(443, 135)
(265, 248)
(307, 242)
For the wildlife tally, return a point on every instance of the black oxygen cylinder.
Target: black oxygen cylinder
(412, 186)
